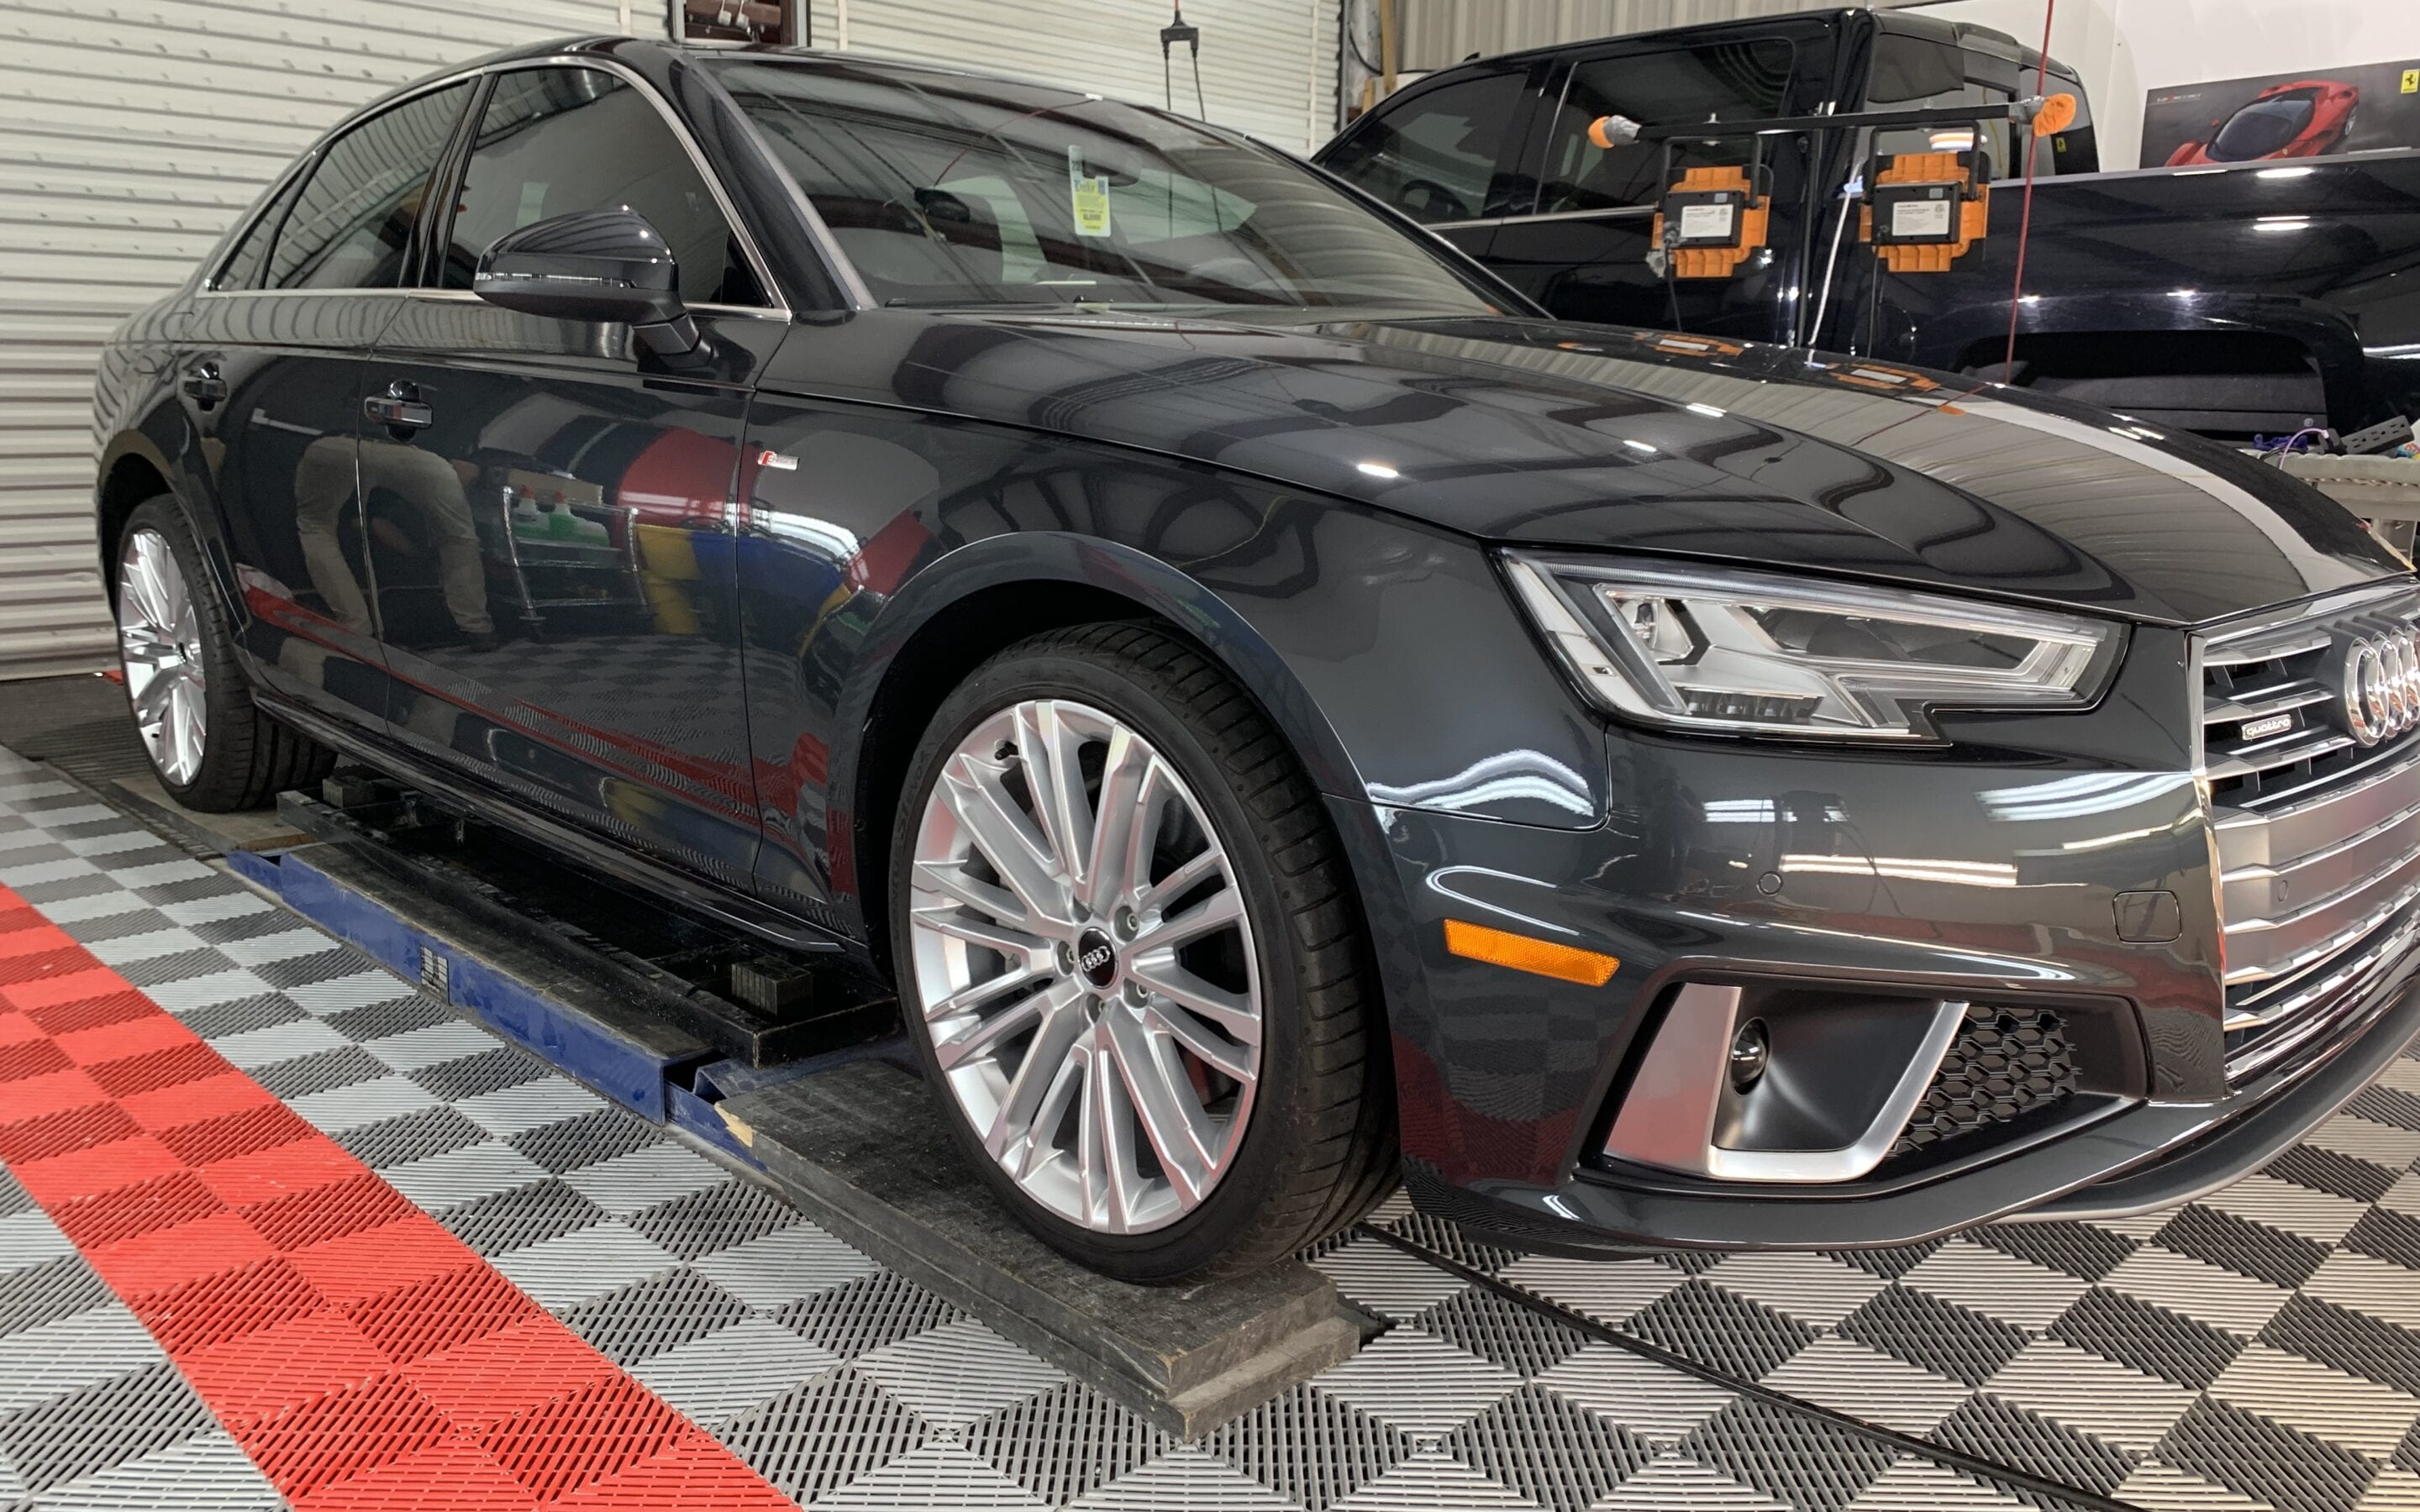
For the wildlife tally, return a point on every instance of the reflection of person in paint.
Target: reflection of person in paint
(324, 480)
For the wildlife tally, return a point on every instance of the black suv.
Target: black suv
(2230, 299)
(1260, 688)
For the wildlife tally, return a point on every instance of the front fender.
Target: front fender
(1041, 558)
(1385, 652)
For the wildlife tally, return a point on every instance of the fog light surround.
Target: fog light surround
(1818, 1096)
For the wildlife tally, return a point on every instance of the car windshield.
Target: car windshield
(2261, 127)
(945, 189)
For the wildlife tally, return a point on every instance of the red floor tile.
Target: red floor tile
(49, 1134)
(376, 1262)
(282, 1171)
(210, 1097)
(363, 1356)
(694, 1472)
(163, 1202)
(497, 1376)
(174, 1256)
(95, 981)
(278, 1369)
(452, 1475)
(110, 1043)
(85, 1173)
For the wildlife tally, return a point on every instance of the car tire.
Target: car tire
(212, 748)
(1310, 1145)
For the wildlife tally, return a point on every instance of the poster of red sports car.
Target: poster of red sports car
(2310, 114)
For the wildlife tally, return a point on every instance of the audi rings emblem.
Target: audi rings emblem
(2382, 686)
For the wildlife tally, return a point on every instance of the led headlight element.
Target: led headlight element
(1744, 653)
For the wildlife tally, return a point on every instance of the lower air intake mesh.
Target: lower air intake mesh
(2005, 1063)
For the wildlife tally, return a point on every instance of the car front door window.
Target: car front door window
(554, 141)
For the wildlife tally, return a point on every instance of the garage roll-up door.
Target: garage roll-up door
(1268, 67)
(135, 133)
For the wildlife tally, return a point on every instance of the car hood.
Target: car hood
(1602, 438)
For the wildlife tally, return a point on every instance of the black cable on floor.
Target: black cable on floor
(1908, 1443)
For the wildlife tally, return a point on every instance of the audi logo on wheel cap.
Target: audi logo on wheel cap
(2382, 686)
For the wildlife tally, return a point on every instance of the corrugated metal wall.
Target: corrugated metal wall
(1268, 67)
(1438, 32)
(131, 133)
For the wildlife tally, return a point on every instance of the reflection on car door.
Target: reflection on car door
(548, 506)
(270, 371)
(1582, 251)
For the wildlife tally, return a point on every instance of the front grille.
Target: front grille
(2006, 1062)
(2318, 835)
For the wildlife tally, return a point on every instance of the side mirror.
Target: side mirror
(592, 265)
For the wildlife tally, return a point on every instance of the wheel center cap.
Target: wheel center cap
(1096, 959)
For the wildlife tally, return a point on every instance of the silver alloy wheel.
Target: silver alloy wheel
(160, 643)
(1084, 967)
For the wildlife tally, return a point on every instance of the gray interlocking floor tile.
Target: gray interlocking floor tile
(378, 1021)
(573, 1143)
(660, 1313)
(208, 1473)
(526, 1214)
(714, 1218)
(820, 1436)
(787, 1266)
(483, 1072)
(239, 1015)
(717, 1377)
(47, 1291)
(1801, 1460)
(1064, 1442)
(562, 1272)
(1549, 1449)
(100, 1426)
(411, 1137)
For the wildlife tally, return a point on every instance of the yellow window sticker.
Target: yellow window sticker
(1088, 196)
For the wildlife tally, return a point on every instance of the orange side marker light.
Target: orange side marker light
(1544, 958)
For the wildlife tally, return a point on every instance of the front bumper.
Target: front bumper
(2148, 1158)
(1961, 880)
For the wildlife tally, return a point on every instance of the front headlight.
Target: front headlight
(1756, 653)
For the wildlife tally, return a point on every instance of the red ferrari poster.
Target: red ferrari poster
(2354, 109)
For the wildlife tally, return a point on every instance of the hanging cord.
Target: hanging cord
(1178, 31)
(2026, 216)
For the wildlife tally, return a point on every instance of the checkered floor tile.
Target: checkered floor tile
(2258, 1349)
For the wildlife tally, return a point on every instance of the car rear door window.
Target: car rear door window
(350, 226)
(554, 141)
(1438, 155)
(244, 265)
(1724, 81)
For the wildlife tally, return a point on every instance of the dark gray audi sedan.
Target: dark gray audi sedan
(1269, 698)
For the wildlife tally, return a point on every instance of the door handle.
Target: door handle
(399, 409)
(204, 385)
